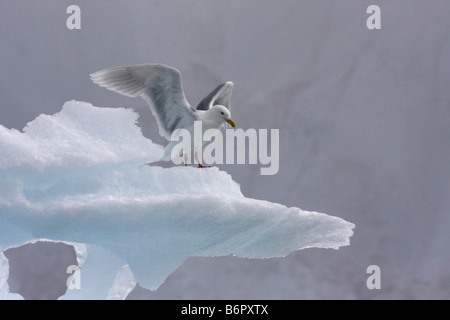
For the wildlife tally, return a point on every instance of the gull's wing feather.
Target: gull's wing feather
(220, 95)
(159, 85)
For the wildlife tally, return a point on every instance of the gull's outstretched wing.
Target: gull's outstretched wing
(220, 95)
(159, 85)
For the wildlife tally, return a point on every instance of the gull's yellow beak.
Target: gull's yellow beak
(231, 122)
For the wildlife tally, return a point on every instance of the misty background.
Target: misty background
(364, 120)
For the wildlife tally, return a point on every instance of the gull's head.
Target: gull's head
(221, 114)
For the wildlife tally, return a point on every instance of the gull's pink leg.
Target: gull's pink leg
(199, 165)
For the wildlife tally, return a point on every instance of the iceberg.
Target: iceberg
(79, 177)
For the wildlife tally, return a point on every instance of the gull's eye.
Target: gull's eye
(222, 112)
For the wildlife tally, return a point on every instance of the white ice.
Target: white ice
(78, 176)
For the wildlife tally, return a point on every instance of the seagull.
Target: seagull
(160, 86)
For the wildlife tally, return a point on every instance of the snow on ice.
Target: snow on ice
(78, 177)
